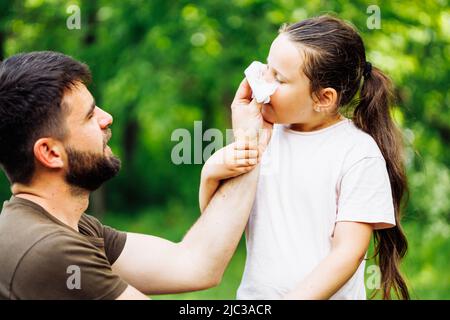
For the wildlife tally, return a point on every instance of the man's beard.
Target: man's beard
(88, 171)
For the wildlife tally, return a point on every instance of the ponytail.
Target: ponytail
(372, 115)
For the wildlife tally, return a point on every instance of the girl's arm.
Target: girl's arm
(349, 246)
(235, 159)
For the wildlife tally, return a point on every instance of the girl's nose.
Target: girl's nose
(267, 74)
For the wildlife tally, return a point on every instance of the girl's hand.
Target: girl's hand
(248, 122)
(232, 160)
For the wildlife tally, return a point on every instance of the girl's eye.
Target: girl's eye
(278, 80)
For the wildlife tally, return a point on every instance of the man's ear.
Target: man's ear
(326, 100)
(49, 153)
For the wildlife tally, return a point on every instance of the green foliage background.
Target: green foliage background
(160, 65)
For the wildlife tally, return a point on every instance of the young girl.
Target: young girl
(327, 183)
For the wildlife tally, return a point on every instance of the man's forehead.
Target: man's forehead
(78, 99)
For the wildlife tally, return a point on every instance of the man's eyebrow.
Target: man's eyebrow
(278, 72)
(91, 109)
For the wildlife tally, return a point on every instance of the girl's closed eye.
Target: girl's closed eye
(273, 74)
(279, 80)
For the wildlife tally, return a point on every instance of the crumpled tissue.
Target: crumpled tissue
(262, 89)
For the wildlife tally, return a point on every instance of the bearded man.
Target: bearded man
(53, 149)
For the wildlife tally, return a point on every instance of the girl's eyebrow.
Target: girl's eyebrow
(278, 72)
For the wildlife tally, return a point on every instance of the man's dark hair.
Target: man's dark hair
(32, 86)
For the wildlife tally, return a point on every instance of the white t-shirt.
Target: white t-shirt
(308, 182)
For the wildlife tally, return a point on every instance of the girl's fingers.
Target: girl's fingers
(246, 168)
(246, 162)
(245, 154)
(246, 145)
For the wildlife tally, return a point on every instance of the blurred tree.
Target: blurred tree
(161, 65)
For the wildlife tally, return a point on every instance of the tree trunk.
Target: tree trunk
(130, 139)
(97, 201)
(2, 45)
(90, 8)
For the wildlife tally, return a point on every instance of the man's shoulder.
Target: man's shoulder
(22, 226)
(90, 225)
(56, 247)
(38, 253)
(30, 235)
(47, 268)
(25, 230)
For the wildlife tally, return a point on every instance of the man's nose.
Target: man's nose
(105, 119)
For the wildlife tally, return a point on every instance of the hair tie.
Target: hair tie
(367, 69)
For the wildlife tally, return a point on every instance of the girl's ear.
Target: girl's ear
(326, 100)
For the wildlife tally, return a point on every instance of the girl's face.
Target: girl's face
(292, 102)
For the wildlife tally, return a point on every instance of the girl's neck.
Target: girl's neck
(317, 125)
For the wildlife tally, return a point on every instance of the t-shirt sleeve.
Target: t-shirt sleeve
(365, 194)
(68, 268)
(114, 242)
(114, 239)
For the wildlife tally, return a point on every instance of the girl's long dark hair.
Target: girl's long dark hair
(335, 57)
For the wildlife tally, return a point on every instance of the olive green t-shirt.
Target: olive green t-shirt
(43, 258)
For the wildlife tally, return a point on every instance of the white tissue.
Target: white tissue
(262, 89)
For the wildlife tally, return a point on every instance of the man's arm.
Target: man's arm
(156, 266)
(132, 293)
(206, 191)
